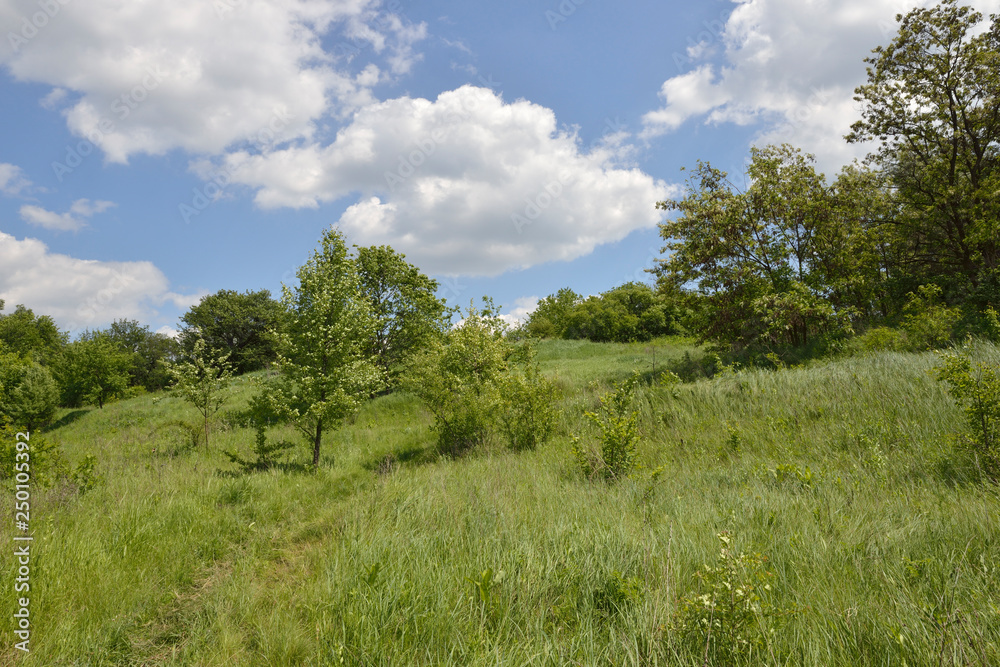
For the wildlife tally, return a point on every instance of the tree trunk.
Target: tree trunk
(316, 441)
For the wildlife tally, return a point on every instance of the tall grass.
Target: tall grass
(879, 539)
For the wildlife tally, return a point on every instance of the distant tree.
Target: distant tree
(38, 337)
(150, 353)
(235, 324)
(550, 319)
(932, 102)
(202, 380)
(402, 300)
(326, 369)
(93, 369)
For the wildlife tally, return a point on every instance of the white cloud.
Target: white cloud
(78, 293)
(522, 308)
(73, 220)
(147, 77)
(465, 184)
(791, 66)
(12, 180)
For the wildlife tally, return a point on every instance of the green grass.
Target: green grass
(879, 539)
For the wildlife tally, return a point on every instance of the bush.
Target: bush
(619, 435)
(477, 381)
(976, 389)
(260, 414)
(928, 322)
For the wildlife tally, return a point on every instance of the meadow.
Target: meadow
(814, 515)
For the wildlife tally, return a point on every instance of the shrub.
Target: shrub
(619, 434)
(928, 322)
(260, 414)
(527, 417)
(976, 388)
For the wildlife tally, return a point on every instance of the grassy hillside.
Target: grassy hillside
(838, 522)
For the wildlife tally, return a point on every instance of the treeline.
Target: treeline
(904, 248)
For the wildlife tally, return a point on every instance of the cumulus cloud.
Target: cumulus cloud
(12, 180)
(464, 184)
(148, 77)
(78, 293)
(790, 66)
(73, 220)
(519, 312)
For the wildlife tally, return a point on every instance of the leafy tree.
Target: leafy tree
(770, 264)
(932, 101)
(202, 381)
(402, 300)
(237, 324)
(325, 367)
(33, 399)
(93, 369)
(150, 352)
(24, 333)
(551, 316)
(477, 381)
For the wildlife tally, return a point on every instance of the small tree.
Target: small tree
(619, 428)
(325, 368)
(202, 381)
(976, 388)
(34, 398)
(93, 369)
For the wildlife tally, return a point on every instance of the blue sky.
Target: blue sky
(155, 152)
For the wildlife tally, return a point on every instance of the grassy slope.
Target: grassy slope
(883, 543)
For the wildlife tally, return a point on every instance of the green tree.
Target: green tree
(551, 317)
(775, 245)
(326, 370)
(932, 102)
(402, 300)
(93, 369)
(34, 398)
(237, 324)
(38, 337)
(151, 353)
(202, 380)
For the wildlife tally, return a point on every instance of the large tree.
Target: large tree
(150, 353)
(326, 369)
(932, 102)
(779, 262)
(235, 324)
(402, 300)
(27, 334)
(93, 369)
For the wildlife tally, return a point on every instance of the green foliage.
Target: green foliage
(618, 425)
(976, 389)
(403, 304)
(459, 378)
(37, 338)
(477, 381)
(30, 401)
(203, 380)
(787, 260)
(731, 614)
(93, 369)
(85, 476)
(617, 594)
(991, 325)
(527, 415)
(630, 312)
(325, 367)
(881, 339)
(47, 464)
(237, 324)
(150, 353)
(931, 104)
(928, 322)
